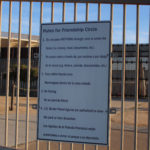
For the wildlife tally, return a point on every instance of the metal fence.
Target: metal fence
(24, 133)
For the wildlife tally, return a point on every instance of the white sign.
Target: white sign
(74, 82)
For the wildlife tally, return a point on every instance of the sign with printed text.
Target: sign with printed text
(74, 82)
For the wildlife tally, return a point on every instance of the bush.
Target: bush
(23, 73)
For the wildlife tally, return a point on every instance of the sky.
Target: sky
(69, 16)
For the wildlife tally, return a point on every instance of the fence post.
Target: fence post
(12, 97)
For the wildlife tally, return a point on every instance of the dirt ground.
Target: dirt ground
(129, 113)
(22, 105)
(115, 118)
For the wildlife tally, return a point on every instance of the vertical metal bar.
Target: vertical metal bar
(0, 25)
(84, 147)
(87, 11)
(123, 78)
(63, 12)
(37, 145)
(18, 73)
(60, 146)
(96, 147)
(52, 12)
(75, 12)
(137, 80)
(28, 79)
(48, 145)
(0, 38)
(99, 11)
(41, 21)
(110, 82)
(71, 146)
(149, 89)
(8, 70)
(41, 13)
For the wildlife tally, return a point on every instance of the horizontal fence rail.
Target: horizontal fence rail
(129, 78)
(135, 2)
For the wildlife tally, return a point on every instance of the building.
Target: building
(116, 67)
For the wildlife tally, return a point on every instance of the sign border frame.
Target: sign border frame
(108, 112)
